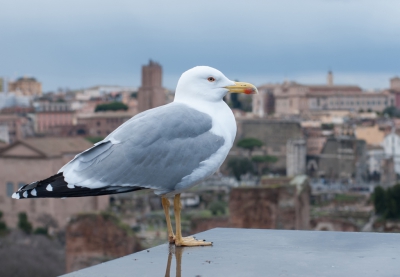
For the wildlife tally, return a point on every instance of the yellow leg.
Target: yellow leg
(179, 240)
(165, 204)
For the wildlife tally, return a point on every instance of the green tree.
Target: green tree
(262, 161)
(3, 226)
(387, 203)
(240, 166)
(391, 112)
(393, 202)
(249, 144)
(327, 126)
(94, 139)
(217, 207)
(24, 224)
(113, 106)
(41, 231)
(379, 198)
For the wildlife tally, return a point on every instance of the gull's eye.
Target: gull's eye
(211, 79)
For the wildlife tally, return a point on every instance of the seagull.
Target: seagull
(168, 149)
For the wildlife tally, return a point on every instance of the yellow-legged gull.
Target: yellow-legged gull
(167, 149)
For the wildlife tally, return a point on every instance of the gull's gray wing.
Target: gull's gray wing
(155, 149)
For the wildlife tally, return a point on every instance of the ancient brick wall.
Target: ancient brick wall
(198, 225)
(279, 207)
(95, 238)
(253, 208)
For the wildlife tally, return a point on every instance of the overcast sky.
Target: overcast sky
(83, 43)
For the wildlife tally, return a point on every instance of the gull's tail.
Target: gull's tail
(56, 187)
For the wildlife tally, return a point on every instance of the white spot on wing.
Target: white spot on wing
(14, 195)
(33, 192)
(49, 187)
(25, 194)
(70, 186)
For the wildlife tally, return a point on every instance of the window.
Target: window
(10, 188)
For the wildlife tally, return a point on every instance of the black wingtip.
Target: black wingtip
(56, 187)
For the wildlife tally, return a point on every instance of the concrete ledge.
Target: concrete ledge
(256, 252)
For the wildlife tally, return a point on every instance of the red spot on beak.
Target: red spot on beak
(248, 91)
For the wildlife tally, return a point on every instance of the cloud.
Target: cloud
(69, 43)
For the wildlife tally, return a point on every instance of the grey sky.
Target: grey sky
(88, 42)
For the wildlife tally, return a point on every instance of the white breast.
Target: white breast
(224, 125)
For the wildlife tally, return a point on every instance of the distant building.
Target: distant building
(395, 83)
(51, 114)
(151, 94)
(315, 143)
(391, 145)
(78, 130)
(27, 86)
(3, 144)
(99, 92)
(388, 174)
(296, 150)
(8, 100)
(291, 98)
(274, 135)
(343, 157)
(4, 135)
(394, 89)
(372, 135)
(19, 127)
(35, 159)
(101, 124)
(2, 88)
(264, 102)
(376, 155)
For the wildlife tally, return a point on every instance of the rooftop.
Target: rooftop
(109, 114)
(256, 252)
(52, 146)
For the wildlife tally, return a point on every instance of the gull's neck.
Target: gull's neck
(206, 106)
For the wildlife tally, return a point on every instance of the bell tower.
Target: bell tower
(151, 93)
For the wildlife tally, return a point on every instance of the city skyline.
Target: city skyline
(79, 45)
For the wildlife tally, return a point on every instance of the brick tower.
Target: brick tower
(151, 93)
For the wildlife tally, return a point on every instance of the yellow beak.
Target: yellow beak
(240, 87)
